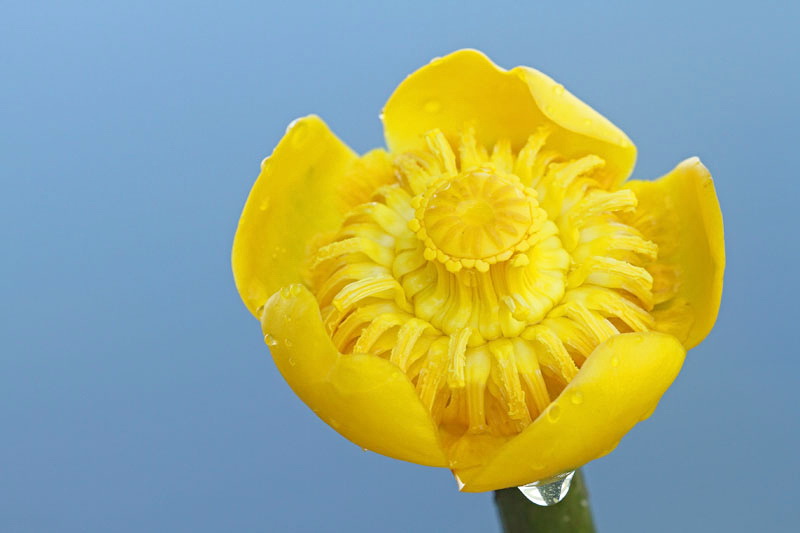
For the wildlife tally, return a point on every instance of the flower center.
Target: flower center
(477, 218)
(487, 278)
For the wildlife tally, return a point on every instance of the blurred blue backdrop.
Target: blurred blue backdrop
(136, 393)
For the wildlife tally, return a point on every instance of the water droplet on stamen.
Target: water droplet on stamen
(294, 290)
(548, 491)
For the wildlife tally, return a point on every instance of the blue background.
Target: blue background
(136, 393)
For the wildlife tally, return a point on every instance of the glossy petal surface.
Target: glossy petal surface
(466, 88)
(284, 211)
(684, 219)
(618, 385)
(366, 399)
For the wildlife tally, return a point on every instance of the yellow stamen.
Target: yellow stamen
(488, 277)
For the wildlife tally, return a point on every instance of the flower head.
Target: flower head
(489, 294)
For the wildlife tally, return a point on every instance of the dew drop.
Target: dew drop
(432, 106)
(615, 361)
(577, 397)
(558, 90)
(264, 204)
(548, 491)
(292, 362)
(553, 413)
(299, 133)
(288, 343)
(295, 290)
(264, 162)
(270, 340)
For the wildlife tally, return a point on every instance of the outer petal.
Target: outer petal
(619, 385)
(465, 87)
(366, 399)
(686, 223)
(284, 211)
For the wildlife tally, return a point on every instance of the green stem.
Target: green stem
(571, 515)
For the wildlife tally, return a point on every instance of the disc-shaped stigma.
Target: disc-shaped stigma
(476, 218)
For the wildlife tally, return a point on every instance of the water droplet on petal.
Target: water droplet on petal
(548, 491)
(270, 340)
(558, 90)
(577, 397)
(615, 361)
(432, 106)
(264, 204)
(553, 413)
(287, 342)
(299, 133)
(292, 362)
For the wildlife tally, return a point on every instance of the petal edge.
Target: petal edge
(308, 163)
(690, 235)
(364, 398)
(619, 384)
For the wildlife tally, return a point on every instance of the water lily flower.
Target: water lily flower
(489, 294)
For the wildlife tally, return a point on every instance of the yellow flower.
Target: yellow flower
(489, 295)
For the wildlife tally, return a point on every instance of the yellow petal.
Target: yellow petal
(365, 398)
(284, 210)
(686, 225)
(619, 384)
(466, 88)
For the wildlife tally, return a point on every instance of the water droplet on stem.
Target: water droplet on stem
(548, 491)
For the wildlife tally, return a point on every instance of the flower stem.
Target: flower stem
(572, 514)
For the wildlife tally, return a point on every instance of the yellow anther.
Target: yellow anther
(438, 145)
(456, 355)
(510, 387)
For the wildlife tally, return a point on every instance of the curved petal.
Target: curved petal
(619, 384)
(366, 399)
(465, 87)
(684, 219)
(283, 212)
